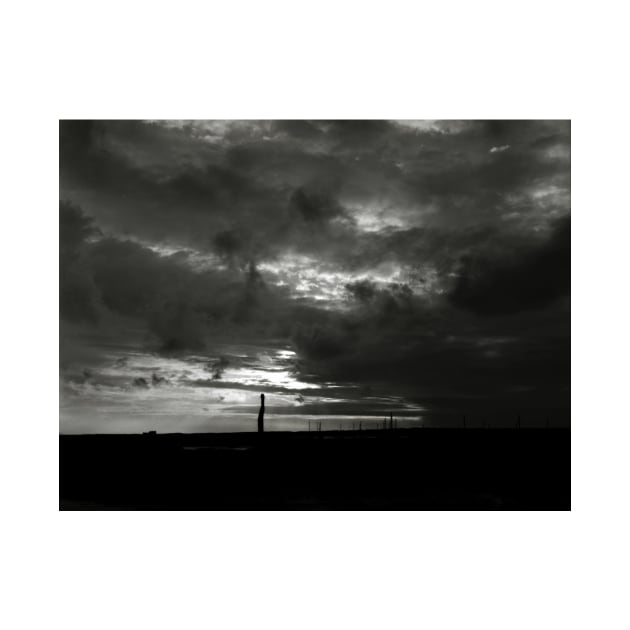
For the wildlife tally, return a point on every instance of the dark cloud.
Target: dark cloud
(298, 129)
(350, 134)
(179, 306)
(156, 379)
(232, 245)
(314, 207)
(79, 298)
(520, 279)
(218, 367)
(425, 352)
(387, 304)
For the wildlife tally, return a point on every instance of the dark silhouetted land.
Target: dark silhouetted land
(401, 469)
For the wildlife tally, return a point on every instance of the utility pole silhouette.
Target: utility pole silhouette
(261, 415)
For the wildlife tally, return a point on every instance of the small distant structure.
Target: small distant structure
(149, 433)
(261, 415)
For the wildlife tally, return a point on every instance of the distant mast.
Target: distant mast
(261, 415)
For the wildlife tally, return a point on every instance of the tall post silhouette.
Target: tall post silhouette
(261, 415)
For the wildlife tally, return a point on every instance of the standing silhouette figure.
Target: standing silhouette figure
(261, 415)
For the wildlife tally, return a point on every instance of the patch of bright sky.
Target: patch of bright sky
(537, 207)
(222, 131)
(197, 260)
(306, 276)
(183, 387)
(374, 219)
(105, 399)
(311, 279)
(436, 126)
(560, 152)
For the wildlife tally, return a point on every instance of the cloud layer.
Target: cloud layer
(426, 259)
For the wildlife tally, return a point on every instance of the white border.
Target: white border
(315, 570)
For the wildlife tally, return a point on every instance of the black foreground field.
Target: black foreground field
(416, 469)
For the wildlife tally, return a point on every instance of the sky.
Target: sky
(346, 269)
